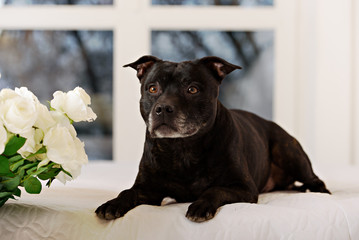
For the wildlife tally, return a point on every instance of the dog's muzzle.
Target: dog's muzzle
(167, 121)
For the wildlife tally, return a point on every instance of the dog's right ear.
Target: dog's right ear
(143, 64)
(219, 67)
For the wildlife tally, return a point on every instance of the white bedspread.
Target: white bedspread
(67, 212)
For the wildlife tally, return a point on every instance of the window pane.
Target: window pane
(47, 61)
(247, 3)
(56, 2)
(250, 88)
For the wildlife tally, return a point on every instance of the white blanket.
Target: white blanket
(67, 212)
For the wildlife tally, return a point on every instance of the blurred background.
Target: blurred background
(47, 61)
(299, 57)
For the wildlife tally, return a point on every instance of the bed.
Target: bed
(67, 212)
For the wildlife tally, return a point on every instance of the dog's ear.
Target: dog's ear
(143, 64)
(219, 67)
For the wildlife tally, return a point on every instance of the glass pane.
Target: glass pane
(47, 61)
(246, 3)
(56, 2)
(249, 89)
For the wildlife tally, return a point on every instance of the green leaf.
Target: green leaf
(15, 166)
(20, 173)
(30, 168)
(32, 185)
(9, 174)
(15, 158)
(66, 172)
(12, 197)
(28, 165)
(3, 201)
(5, 194)
(4, 167)
(11, 183)
(39, 171)
(14, 144)
(49, 174)
(48, 184)
(17, 192)
(40, 151)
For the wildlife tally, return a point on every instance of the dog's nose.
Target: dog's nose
(160, 108)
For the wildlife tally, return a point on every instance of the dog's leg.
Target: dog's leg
(127, 200)
(206, 206)
(292, 162)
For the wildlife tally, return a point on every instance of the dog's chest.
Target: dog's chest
(183, 174)
(186, 188)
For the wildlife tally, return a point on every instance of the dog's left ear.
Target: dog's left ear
(143, 64)
(219, 67)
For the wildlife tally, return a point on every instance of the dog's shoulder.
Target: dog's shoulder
(249, 123)
(242, 114)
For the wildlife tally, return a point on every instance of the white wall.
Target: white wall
(355, 91)
(328, 101)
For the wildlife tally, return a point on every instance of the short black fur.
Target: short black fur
(196, 150)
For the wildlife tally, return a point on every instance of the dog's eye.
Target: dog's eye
(193, 90)
(153, 89)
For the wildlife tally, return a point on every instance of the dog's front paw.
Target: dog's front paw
(200, 211)
(117, 207)
(110, 210)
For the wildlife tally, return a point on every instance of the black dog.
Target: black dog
(198, 151)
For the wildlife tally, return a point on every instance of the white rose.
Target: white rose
(63, 177)
(44, 120)
(18, 111)
(3, 138)
(60, 145)
(75, 104)
(74, 167)
(66, 150)
(24, 92)
(63, 121)
(32, 144)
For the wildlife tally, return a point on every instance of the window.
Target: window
(47, 61)
(56, 2)
(251, 88)
(136, 26)
(215, 2)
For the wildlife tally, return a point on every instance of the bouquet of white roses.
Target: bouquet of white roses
(40, 143)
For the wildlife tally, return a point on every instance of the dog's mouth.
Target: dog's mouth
(177, 126)
(164, 127)
(164, 130)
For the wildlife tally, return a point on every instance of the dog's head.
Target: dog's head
(179, 99)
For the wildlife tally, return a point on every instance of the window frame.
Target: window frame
(132, 22)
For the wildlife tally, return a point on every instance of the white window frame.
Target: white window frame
(328, 76)
(355, 93)
(132, 21)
